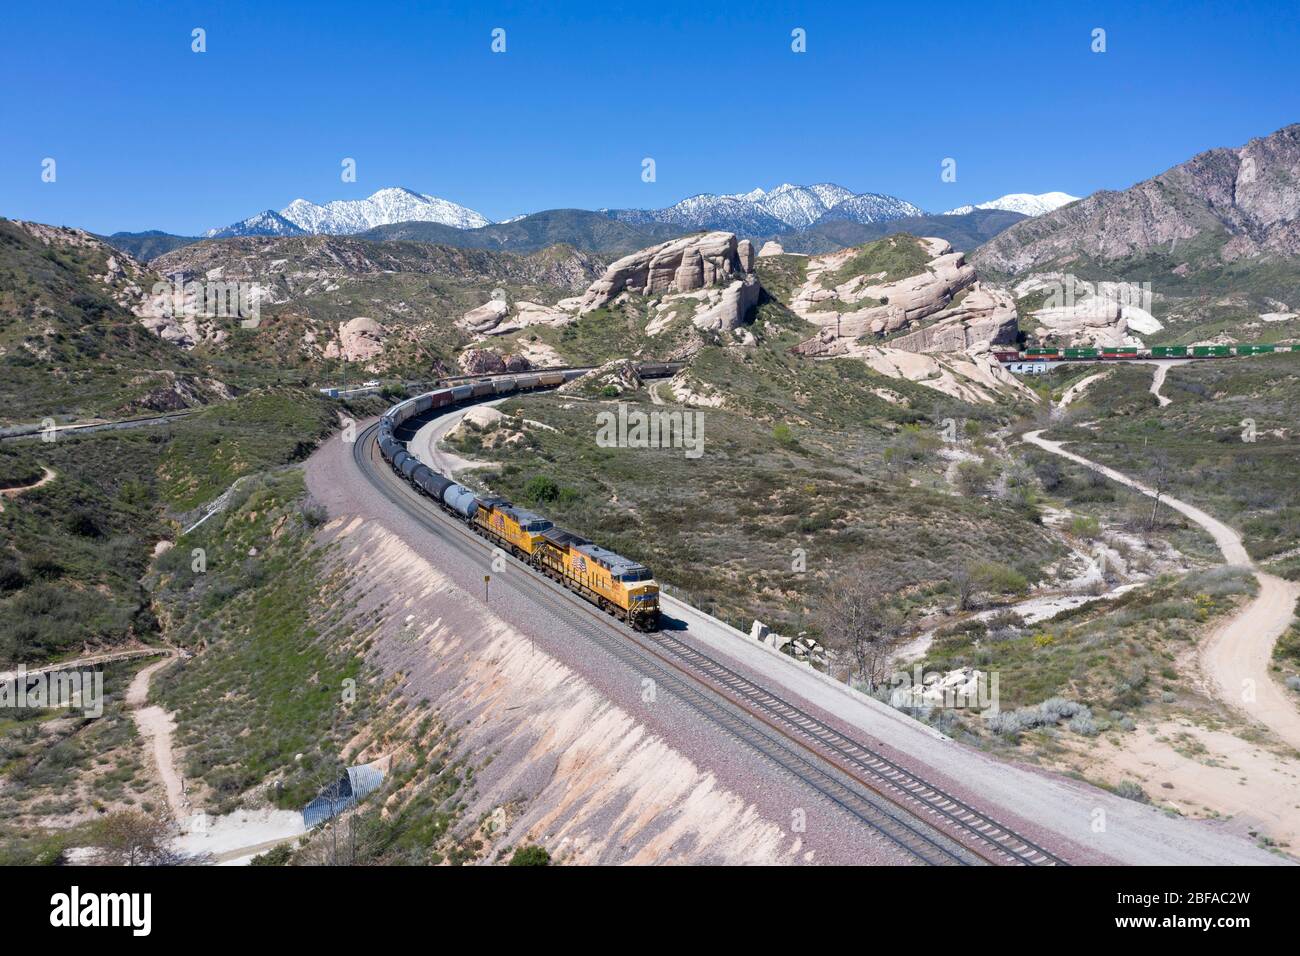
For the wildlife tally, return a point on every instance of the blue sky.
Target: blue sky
(147, 134)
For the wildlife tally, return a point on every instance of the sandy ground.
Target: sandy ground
(1205, 772)
(237, 837)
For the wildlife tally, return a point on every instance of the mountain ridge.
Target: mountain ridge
(344, 217)
(759, 212)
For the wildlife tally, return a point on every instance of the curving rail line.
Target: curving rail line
(933, 826)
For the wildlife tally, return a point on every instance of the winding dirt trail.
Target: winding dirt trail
(156, 726)
(1235, 658)
(45, 479)
(1158, 382)
(1079, 387)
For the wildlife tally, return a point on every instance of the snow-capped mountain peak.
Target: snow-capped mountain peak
(1027, 204)
(268, 223)
(390, 205)
(767, 212)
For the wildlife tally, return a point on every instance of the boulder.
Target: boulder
(679, 265)
(360, 340)
(486, 317)
(495, 318)
(486, 362)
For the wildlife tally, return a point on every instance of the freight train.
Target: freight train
(617, 585)
(1131, 352)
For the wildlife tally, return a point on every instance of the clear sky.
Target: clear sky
(148, 134)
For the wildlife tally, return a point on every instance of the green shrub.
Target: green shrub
(531, 855)
(541, 489)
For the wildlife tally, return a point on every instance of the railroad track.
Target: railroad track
(925, 821)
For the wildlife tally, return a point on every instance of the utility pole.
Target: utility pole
(486, 579)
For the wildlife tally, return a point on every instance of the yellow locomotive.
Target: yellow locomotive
(617, 585)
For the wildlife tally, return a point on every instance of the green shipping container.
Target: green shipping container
(1169, 351)
(1208, 350)
(1080, 353)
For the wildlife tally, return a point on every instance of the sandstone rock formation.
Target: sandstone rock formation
(1088, 314)
(485, 362)
(485, 318)
(945, 304)
(620, 375)
(360, 340)
(972, 378)
(771, 248)
(681, 266)
(494, 317)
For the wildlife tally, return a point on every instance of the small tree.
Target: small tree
(856, 619)
(964, 584)
(1158, 477)
(131, 838)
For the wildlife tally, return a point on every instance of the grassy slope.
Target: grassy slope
(1250, 485)
(74, 549)
(807, 457)
(66, 347)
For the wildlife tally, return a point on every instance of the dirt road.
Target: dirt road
(156, 726)
(1235, 658)
(1079, 387)
(15, 492)
(1158, 382)
(426, 443)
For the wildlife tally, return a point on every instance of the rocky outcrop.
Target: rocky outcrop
(485, 362)
(771, 248)
(971, 378)
(620, 376)
(680, 265)
(360, 340)
(708, 279)
(497, 317)
(982, 318)
(943, 304)
(1078, 313)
